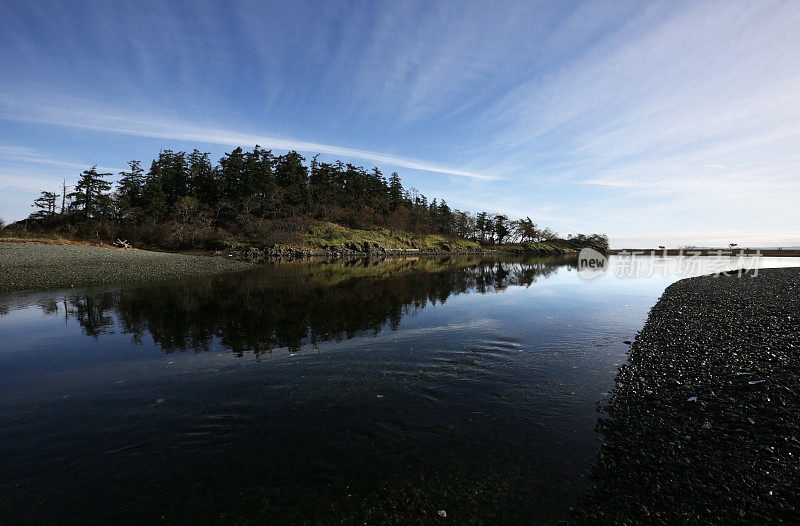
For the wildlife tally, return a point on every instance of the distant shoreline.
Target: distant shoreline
(704, 252)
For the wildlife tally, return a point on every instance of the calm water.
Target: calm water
(314, 392)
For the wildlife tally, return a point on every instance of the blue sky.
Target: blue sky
(654, 122)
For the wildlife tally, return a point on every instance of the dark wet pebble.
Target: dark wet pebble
(730, 456)
(31, 266)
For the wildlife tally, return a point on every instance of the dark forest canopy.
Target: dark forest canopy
(257, 193)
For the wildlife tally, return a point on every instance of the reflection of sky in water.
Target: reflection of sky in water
(461, 398)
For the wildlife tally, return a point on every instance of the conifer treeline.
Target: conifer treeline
(250, 190)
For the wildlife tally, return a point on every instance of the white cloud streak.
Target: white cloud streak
(159, 128)
(20, 155)
(717, 83)
(689, 114)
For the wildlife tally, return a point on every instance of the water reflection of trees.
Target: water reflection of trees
(288, 306)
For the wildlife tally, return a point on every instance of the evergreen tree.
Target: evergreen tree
(172, 170)
(483, 224)
(323, 188)
(395, 191)
(232, 175)
(377, 192)
(445, 218)
(46, 203)
(490, 228)
(203, 183)
(526, 230)
(90, 198)
(501, 227)
(154, 200)
(292, 177)
(464, 224)
(128, 196)
(259, 178)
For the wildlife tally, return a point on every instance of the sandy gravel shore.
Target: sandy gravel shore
(704, 424)
(28, 266)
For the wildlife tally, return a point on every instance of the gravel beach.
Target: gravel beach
(29, 266)
(704, 424)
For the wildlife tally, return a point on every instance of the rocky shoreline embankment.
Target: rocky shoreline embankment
(703, 426)
(32, 265)
(358, 250)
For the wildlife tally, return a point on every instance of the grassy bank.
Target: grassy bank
(325, 236)
(298, 238)
(330, 234)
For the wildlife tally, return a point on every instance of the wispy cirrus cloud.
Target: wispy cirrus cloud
(678, 89)
(71, 115)
(20, 155)
(688, 113)
(27, 169)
